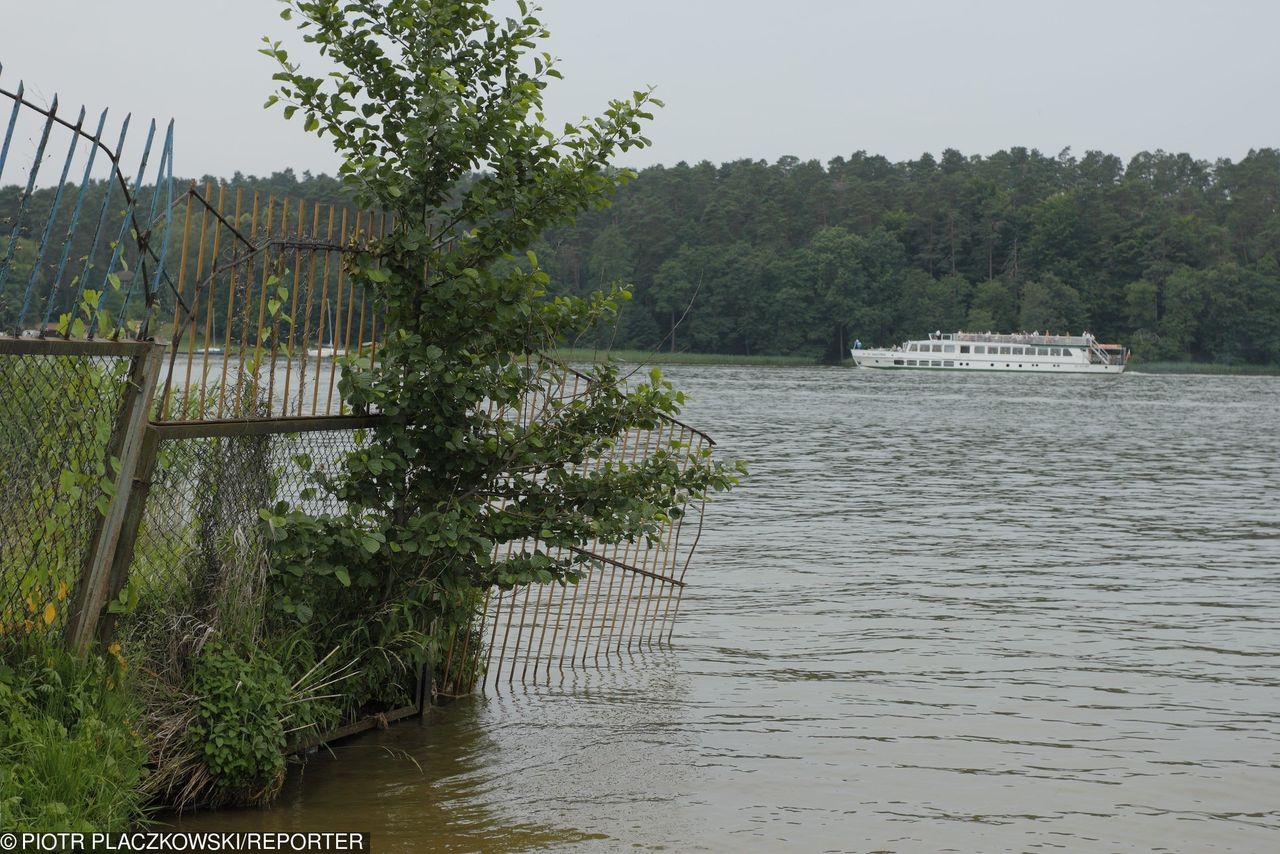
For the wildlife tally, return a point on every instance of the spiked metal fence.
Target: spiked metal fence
(81, 267)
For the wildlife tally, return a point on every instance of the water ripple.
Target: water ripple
(946, 613)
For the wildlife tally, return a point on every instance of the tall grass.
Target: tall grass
(71, 758)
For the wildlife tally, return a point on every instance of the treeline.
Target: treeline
(27, 293)
(1176, 257)
(1173, 256)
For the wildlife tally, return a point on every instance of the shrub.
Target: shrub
(238, 727)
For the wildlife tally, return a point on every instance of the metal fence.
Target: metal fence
(82, 262)
(137, 468)
(263, 295)
(59, 404)
(626, 601)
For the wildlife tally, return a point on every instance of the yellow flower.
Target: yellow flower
(50, 613)
(114, 649)
(62, 591)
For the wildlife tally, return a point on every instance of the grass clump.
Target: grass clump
(71, 758)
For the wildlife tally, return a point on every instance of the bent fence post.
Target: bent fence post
(126, 443)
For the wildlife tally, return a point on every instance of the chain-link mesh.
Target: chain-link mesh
(57, 413)
(201, 558)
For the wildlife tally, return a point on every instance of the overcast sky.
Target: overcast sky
(741, 78)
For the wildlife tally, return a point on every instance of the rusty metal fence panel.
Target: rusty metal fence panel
(83, 247)
(201, 559)
(264, 301)
(626, 600)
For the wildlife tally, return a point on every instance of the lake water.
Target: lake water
(945, 612)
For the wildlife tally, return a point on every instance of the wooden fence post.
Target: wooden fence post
(126, 444)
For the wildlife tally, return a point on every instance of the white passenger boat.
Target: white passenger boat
(1024, 352)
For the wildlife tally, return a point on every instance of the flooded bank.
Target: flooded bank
(982, 613)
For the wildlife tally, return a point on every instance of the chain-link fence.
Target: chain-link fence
(201, 558)
(243, 411)
(58, 407)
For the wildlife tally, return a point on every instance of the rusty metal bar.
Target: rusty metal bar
(63, 347)
(268, 427)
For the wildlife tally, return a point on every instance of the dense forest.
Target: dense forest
(1177, 258)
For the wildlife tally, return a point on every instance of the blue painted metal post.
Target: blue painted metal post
(75, 220)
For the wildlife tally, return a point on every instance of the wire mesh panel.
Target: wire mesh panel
(201, 559)
(627, 599)
(58, 411)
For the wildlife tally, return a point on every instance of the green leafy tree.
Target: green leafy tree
(436, 110)
(993, 307)
(1051, 304)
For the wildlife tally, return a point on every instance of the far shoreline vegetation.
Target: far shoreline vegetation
(1174, 257)
(666, 357)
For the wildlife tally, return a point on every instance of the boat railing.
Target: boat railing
(1025, 338)
(1108, 354)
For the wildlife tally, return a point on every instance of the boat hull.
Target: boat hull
(898, 360)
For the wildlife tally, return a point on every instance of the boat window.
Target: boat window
(898, 361)
(911, 362)
(914, 347)
(950, 348)
(1042, 351)
(1004, 351)
(935, 364)
(1055, 351)
(964, 348)
(937, 348)
(948, 364)
(1066, 351)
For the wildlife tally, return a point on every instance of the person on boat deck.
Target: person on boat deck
(857, 343)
